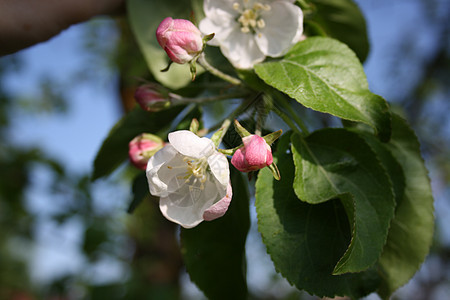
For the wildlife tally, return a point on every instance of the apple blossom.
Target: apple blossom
(142, 147)
(181, 39)
(254, 155)
(249, 30)
(191, 178)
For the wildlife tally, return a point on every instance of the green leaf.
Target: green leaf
(305, 241)
(336, 163)
(214, 252)
(140, 191)
(325, 75)
(114, 149)
(388, 161)
(94, 236)
(411, 233)
(144, 17)
(341, 20)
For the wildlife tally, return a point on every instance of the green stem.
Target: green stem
(260, 116)
(282, 100)
(305, 6)
(287, 120)
(303, 3)
(244, 105)
(202, 61)
(179, 100)
(221, 133)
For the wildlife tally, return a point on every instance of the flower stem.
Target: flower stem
(287, 119)
(179, 100)
(282, 100)
(202, 61)
(260, 118)
(244, 105)
(219, 134)
(304, 5)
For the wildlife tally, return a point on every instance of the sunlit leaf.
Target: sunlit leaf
(325, 75)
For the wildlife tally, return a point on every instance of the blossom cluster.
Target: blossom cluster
(191, 177)
(189, 174)
(247, 31)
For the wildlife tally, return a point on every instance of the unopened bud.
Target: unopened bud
(181, 39)
(142, 147)
(254, 155)
(152, 98)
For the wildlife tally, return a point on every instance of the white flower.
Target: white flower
(191, 178)
(249, 30)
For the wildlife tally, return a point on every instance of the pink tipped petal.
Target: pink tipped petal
(163, 27)
(219, 208)
(152, 97)
(256, 154)
(256, 151)
(269, 160)
(185, 25)
(238, 161)
(142, 148)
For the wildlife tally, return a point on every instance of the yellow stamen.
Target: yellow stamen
(250, 19)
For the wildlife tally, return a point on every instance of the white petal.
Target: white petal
(187, 205)
(299, 34)
(220, 19)
(220, 207)
(221, 30)
(156, 186)
(173, 173)
(241, 49)
(185, 216)
(220, 168)
(189, 144)
(220, 11)
(283, 28)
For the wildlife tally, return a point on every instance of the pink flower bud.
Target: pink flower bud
(151, 98)
(142, 147)
(181, 40)
(254, 155)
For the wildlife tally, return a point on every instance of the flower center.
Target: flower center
(250, 17)
(196, 172)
